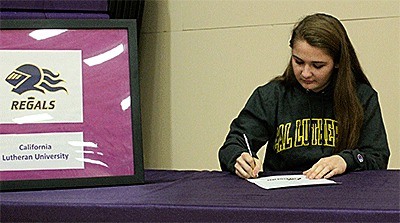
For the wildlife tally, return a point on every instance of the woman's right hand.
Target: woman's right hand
(247, 166)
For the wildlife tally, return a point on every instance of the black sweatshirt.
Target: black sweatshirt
(299, 128)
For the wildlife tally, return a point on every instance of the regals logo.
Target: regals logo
(28, 78)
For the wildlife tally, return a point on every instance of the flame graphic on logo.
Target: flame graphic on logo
(29, 77)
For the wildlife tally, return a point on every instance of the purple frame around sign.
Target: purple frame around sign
(104, 87)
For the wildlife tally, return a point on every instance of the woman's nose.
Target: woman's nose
(306, 72)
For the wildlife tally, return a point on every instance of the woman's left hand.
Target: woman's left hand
(327, 167)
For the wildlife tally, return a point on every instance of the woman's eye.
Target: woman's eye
(318, 66)
(298, 62)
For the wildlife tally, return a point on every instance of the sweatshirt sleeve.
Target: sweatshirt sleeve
(372, 152)
(252, 121)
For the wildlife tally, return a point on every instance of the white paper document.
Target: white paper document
(280, 181)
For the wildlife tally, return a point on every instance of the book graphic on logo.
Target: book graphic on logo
(29, 77)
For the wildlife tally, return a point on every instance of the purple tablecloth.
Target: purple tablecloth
(213, 196)
(52, 15)
(54, 9)
(65, 5)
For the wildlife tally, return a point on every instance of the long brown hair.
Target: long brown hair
(327, 33)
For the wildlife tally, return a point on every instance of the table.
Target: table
(212, 196)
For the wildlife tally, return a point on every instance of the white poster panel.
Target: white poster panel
(41, 86)
(50, 151)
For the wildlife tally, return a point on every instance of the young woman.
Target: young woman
(321, 116)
